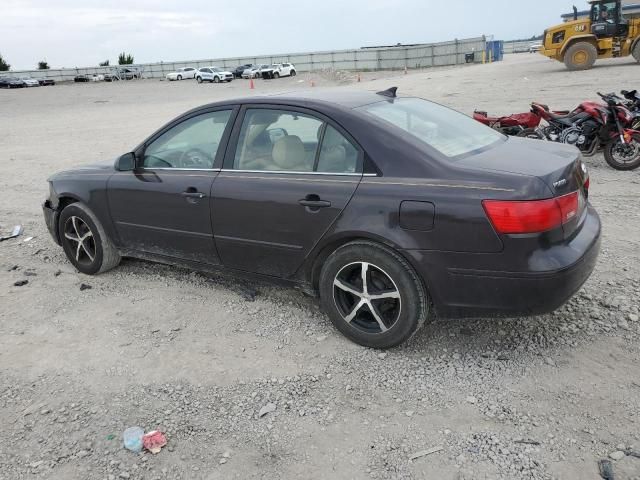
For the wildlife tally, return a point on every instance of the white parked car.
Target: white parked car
(535, 48)
(213, 74)
(182, 73)
(254, 71)
(30, 82)
(283, 70)
(97, 77)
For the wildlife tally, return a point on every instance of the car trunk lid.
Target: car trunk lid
(560, 167)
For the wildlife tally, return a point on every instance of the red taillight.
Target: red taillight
(532, 216)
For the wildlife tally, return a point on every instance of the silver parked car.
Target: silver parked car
(254, 72)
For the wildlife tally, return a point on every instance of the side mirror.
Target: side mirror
(126, 162)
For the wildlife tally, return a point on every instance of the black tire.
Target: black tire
(530, 133)
(97, 245)
(636, 52)
(623, 157)
(580, 56)
(199, 79)
(402, 316)
(293, 73)
(216, 79)
(179, 77)
(276, 75)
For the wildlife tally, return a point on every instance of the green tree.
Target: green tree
(104, 64)
(43, 65)
(4, 66)
(125, 59)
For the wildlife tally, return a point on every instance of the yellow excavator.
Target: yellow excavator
(611, 29)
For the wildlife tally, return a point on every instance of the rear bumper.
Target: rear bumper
(51, 219)
(462, 292)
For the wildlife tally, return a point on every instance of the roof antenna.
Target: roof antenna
(389, 92)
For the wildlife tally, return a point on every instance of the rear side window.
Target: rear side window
(277, 140)
(449, 132)
(282, 140)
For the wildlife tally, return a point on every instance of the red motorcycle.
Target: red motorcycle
(594, 126)
(517, 124)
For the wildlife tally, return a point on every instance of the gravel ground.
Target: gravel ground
(201, 357)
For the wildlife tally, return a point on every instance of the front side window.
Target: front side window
(447, 131)
(190, 144)
(604, 12)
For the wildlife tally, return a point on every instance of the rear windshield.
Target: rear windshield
(449, 132)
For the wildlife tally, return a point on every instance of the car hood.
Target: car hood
(550, 162)
(105, 166)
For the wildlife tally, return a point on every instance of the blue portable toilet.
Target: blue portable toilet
(495, 50)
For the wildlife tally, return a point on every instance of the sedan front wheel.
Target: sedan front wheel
(372, 295)
(85, 242)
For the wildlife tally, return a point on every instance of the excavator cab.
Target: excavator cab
(607, 20)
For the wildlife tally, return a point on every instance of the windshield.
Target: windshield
(449, 132)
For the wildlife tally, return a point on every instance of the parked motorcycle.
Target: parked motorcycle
(633, 103)
(514, 125)
(593, 126)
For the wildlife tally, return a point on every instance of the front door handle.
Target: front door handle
(193, 194)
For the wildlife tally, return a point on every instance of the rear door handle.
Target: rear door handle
(314, 202)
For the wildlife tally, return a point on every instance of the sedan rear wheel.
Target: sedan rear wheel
(372, 295)
(85, 242)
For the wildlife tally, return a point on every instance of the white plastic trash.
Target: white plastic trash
(132, 438)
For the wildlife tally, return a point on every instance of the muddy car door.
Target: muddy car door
(162, 207)
(287, 176)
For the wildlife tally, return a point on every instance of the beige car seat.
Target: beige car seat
(288, 154)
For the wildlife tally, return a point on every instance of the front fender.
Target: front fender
(576, 38)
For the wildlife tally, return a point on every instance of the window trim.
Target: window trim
(227, 165)
(222, 146)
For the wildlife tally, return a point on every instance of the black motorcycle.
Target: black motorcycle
(633, 104)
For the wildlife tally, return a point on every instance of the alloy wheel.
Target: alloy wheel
(366, 297)
(80, 239)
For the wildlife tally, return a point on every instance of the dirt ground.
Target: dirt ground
(199, 356)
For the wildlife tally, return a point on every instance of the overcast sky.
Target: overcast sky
(69, 33)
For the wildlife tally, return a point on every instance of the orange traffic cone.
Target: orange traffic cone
(251, 85)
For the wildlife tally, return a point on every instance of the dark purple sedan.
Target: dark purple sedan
(392, 209)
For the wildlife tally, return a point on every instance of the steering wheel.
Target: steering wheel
(194, 158)
(156, 162)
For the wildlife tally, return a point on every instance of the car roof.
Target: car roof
(344, 97)
(336, 97)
